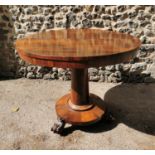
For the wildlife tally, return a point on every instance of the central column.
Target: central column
(79, 107)
(79, 90)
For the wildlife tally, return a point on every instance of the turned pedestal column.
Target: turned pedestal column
(79, 107)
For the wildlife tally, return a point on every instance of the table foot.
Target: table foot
(84, 114)
(58, 127)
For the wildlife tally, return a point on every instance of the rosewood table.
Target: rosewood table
(77, 49)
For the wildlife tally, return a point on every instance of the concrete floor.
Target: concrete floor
(27, 112)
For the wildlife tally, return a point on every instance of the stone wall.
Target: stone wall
(135, 20)
(7, 56)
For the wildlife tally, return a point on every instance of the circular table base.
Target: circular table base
(80, 117)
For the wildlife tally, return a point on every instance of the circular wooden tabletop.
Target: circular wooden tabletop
(77, 48)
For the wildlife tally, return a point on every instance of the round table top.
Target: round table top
(76, 46)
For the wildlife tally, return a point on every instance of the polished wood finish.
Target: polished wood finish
(79, 107)
(96, 62)
(79, 86)
(78, 49)
(80, 117)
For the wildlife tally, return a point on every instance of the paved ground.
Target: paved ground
(27, 111)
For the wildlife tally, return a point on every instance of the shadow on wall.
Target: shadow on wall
(7, 54)
(130, 104)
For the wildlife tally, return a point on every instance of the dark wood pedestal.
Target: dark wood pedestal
(79, 107)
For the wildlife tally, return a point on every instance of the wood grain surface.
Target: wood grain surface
(80, 117)
(77, 48)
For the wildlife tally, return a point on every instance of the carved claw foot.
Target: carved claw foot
(58, 126)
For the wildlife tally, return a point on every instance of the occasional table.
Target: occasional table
(77, 49)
